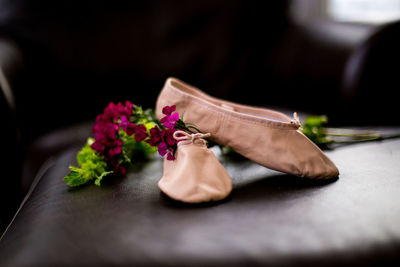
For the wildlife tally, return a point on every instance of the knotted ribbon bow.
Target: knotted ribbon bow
(185, 138)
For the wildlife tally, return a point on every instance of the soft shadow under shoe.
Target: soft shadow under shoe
(265, 136)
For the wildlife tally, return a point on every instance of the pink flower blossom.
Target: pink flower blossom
(163, 140)
(114, 151)
(169, 137)
(129, 107)
(169, 120)
(124, 122)
(113, 112)
(116, 117)
(156, 136)
(97, 146)
(167, 110)
(105, 131)
(140, 133)
(170, 156)
(163, 150)
(130, 129)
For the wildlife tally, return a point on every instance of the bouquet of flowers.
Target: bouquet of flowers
(122, 134)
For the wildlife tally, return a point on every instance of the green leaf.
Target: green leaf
(133, 150)
(88, 154)
(317, 121)
(314, 130)
(99, 178)
(91, 167)
(74, 179)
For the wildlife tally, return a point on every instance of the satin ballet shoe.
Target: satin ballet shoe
(267, 137)
(195, 175)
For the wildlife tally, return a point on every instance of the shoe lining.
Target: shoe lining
(262, 113)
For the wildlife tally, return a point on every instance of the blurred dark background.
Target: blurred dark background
(62, 62)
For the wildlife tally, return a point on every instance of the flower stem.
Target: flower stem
(338, 135)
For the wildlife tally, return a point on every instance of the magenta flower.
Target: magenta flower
(116, 117)
(156, 136)
(161, 136)
(121, 110)
(163, 150)
(163, 140)
(130, 129)
(115, 167)
(170, 119)
(169, 137)
(105, 131)
(167, 110)
(114, 151)
(99, 147)
(140, 133)
(129, 108)
(170, 156)
(113, 112)
(124, 122)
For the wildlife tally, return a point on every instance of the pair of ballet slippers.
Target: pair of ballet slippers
(267, 137)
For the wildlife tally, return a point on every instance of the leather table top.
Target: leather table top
(270, 217)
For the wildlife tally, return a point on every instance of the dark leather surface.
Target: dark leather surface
(270, 218)
(51, 145)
